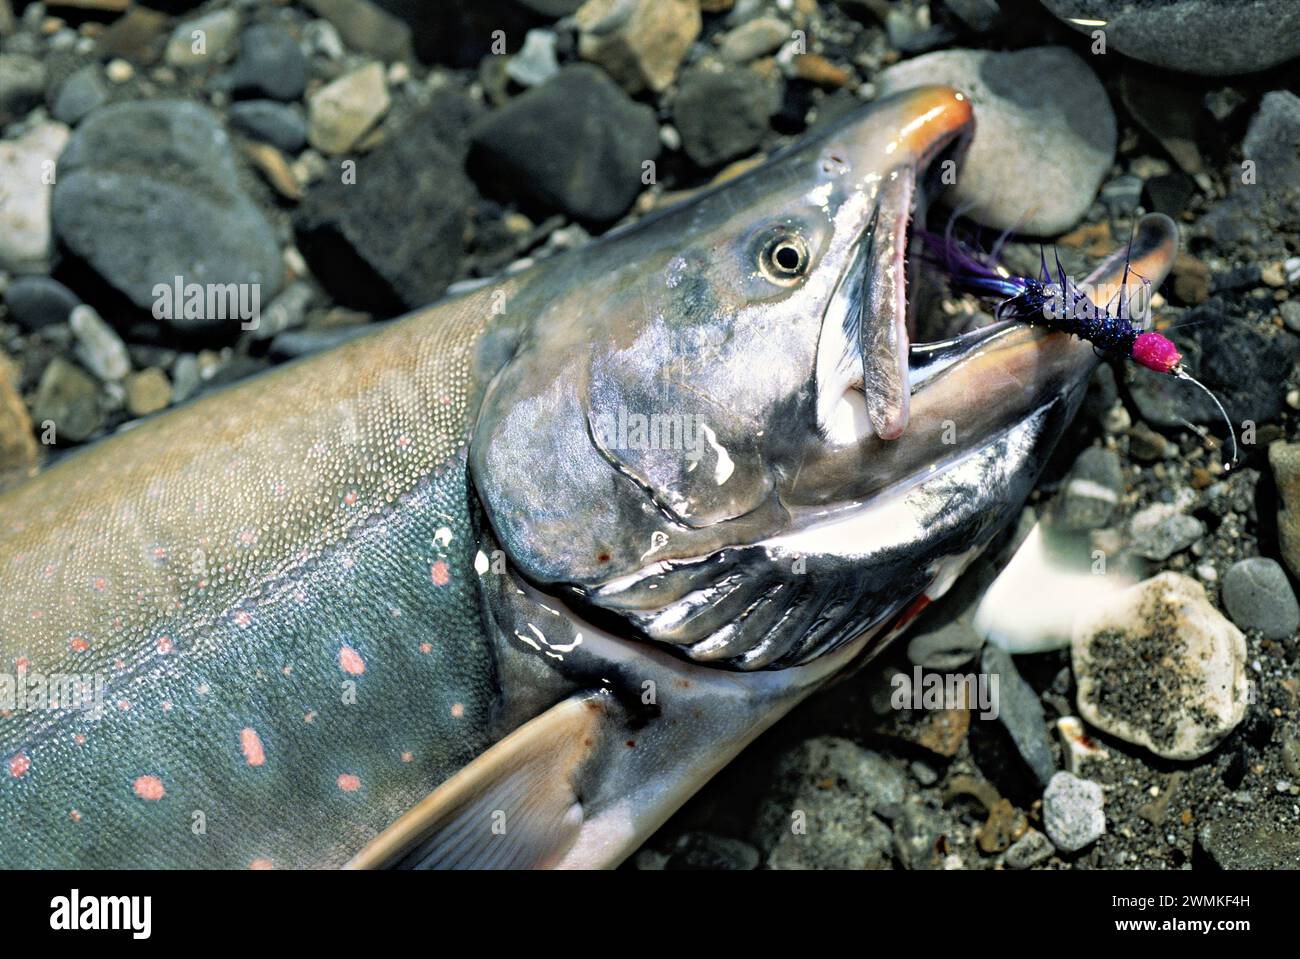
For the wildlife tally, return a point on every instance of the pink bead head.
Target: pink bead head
(1156, 352)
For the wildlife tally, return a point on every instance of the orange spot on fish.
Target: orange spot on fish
(167, 706)
(350, 661)
(426, 648)
(349, 783)
(78, 645)
(79, 739)
(100, 584)
(439, 573)
(261, 864)
(350, 499)
(165, 644)
(251, 745)
(19, 764)
(407, 756)
(123, 705)
(243, 618)
(75, 816)
(149, 787)
(309, 718)
(21, 664)
(457, 710)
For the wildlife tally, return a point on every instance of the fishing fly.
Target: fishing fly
(1058, 303)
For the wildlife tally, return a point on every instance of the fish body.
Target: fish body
(436, 598)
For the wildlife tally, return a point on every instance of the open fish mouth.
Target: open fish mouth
(875, 523)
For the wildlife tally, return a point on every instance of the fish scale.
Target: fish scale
(247, 564)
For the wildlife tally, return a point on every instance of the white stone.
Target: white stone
(27, 175)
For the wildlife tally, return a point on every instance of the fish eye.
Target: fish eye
(785, 258)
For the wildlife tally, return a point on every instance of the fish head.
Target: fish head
(711, 428)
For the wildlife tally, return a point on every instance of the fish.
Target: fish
(502, 584)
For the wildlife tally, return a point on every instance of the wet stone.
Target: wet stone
(367, 27)
(202, 41)
(535, 63)
(341, 113)
(640, 43)
(98, 346)
(147, 392)
(1284, 460)
(26, 241)
(22, 85)
(1020, 712)
(1160, 530)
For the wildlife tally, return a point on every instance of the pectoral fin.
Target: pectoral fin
(514, 807)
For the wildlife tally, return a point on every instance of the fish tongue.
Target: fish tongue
(884, 341)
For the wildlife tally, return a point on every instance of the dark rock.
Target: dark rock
(462, 34)
(1169, 193)
(37, 301)
(702, 850)
(270, 64)
(136, 36)
(22, 85)
(574, 144)
(82, 92)
(1122, 195)
(393, 240)
(68, 398)
(1246, 366)
(1207, 37)
(722, 114)
(1021, 713)
(148, 191)
(279, 124)
(1258, 595)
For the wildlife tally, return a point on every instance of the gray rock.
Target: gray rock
(148, 191)
(722, 114)
(82, 92)
(535, 63)
(1159, 531)
(1207, 37)
(753, 39)
(917, 832)
(1122, 195)
(22, 85)
(1021, 713)
(1258, 596)
(1040, 149)
(286, 312)
(270, 64)
(69, 399)
(393, 240)
(703, 850)
(37, 301)
(1092, 490)
(1072, 812)
(1291, 315)
(574, 144)
(279, 124)
(98, 346)
(1031, 849)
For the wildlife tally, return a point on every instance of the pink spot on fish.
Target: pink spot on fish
(426, 648)
(407, 756)
(243, 618)
(149, 788)
(251, 745)
(261, 863)
(19, 764)
(350, 661)
(457, 710)
(78, 645)
(351, 498)
(349, 783)
(75, 816)
(165, 645)
(79, 739)
(439, 573)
